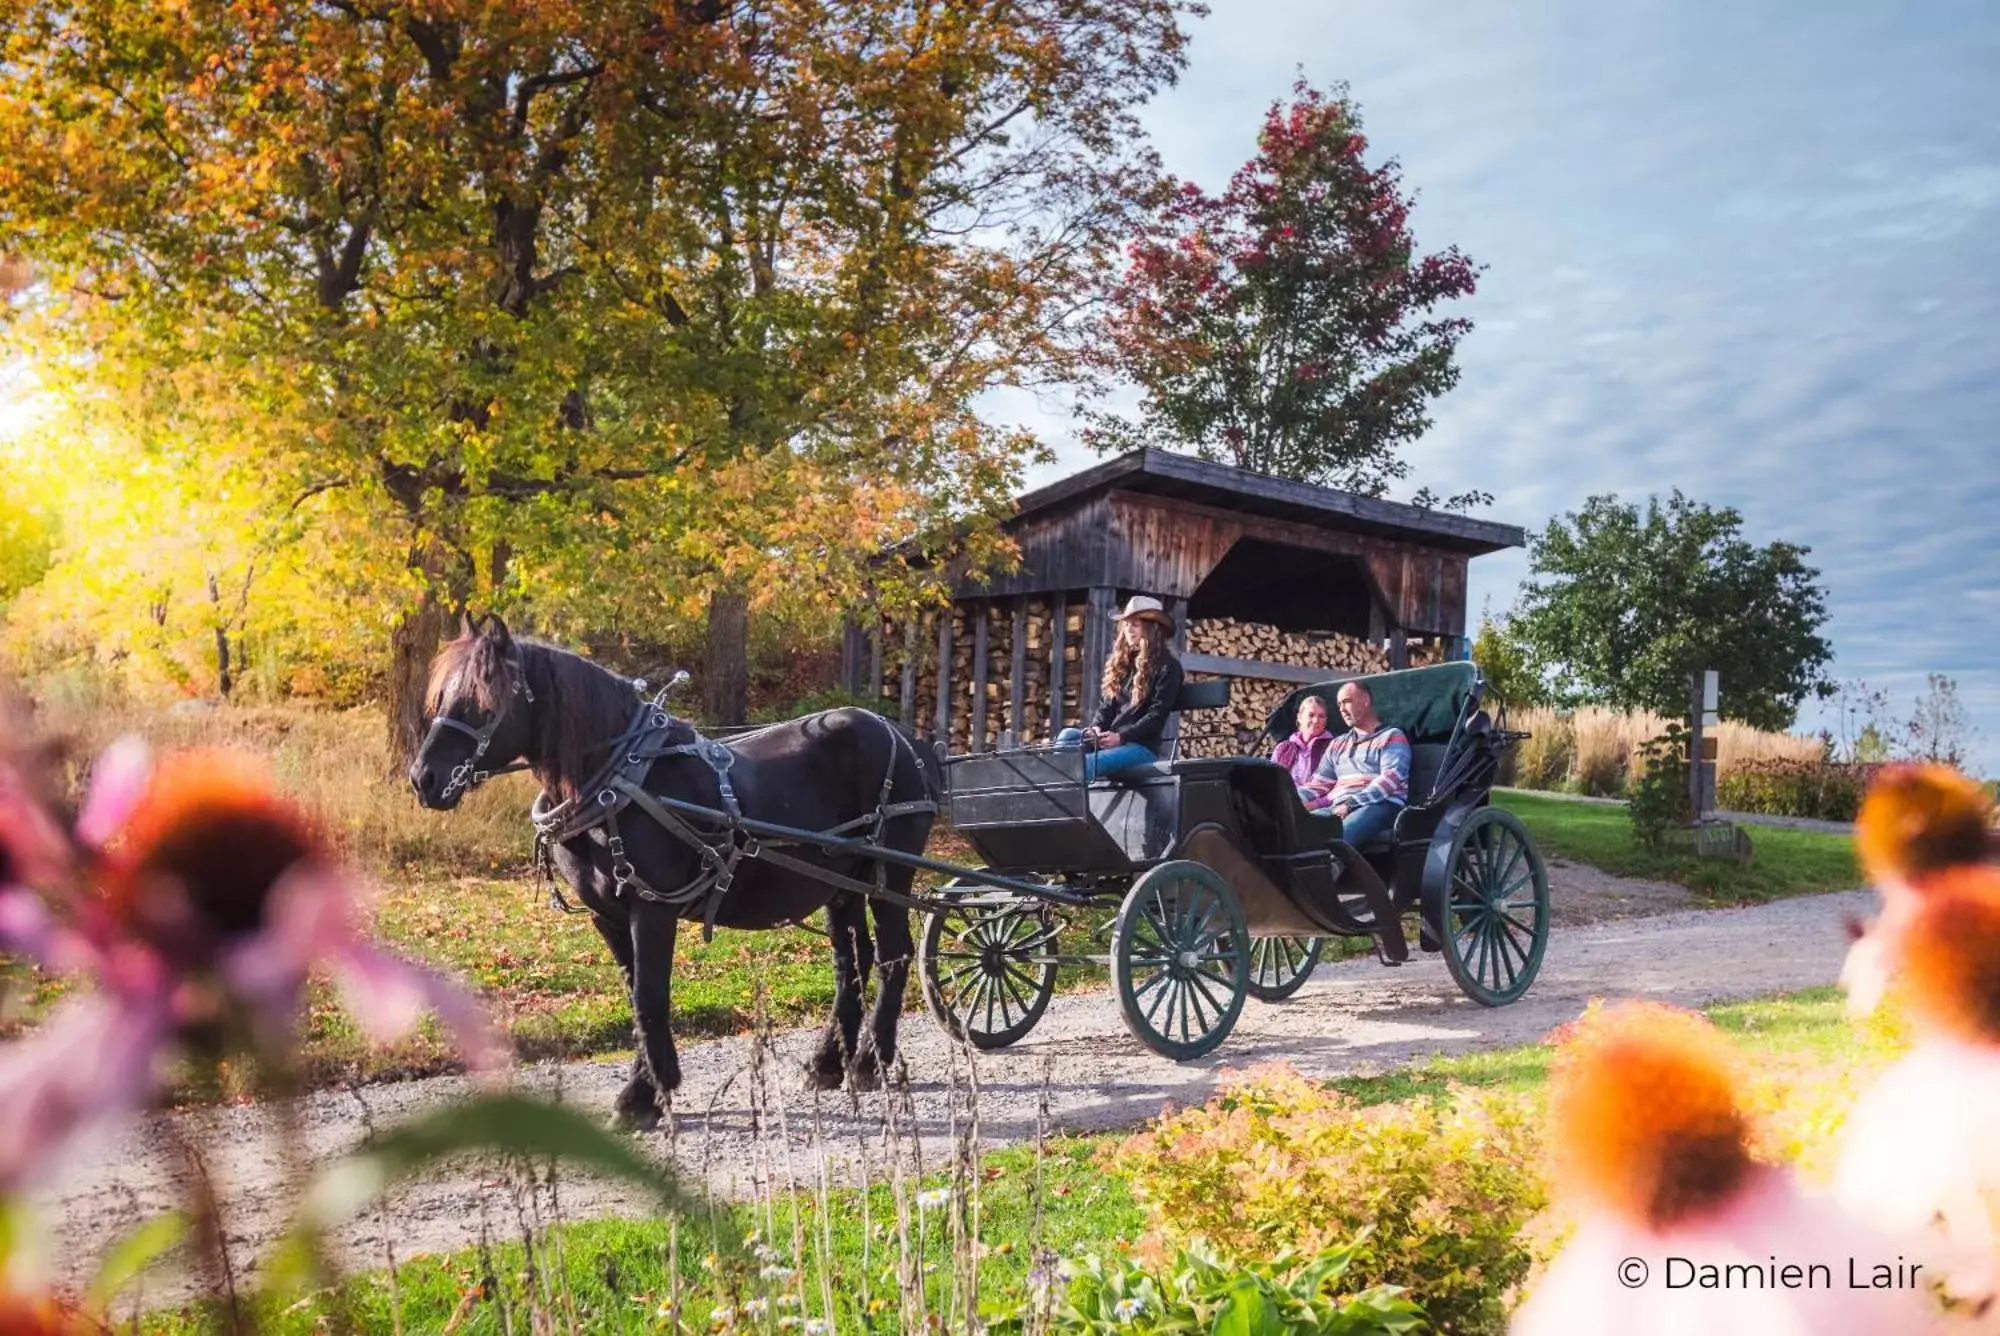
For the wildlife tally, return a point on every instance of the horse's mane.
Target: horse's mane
(579, 706)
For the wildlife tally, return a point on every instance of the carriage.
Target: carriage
(1200, 882)
(1220, 884)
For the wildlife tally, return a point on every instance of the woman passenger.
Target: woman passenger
(1302, 752)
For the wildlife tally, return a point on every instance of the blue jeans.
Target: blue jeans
(1122, 757)
(1367, 825)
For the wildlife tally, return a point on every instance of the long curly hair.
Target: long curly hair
(1133, 658)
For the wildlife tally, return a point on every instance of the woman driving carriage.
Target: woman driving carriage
(1141, 686)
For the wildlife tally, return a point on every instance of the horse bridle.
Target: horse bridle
(466, 775)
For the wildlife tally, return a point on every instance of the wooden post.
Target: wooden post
(1702, 702)
(978, 613)
(853, 656)
(875, 661)
(1171, 738)
(1399, 648)
(1058, 644)
(944, 677)
(909, 707)
(1097, 633)
(1017, 673)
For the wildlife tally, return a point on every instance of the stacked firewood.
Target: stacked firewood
(1231, 639)
(1038, 640)
(1234, 729)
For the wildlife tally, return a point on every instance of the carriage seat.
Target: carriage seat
(1426, 760)
(1211, 694)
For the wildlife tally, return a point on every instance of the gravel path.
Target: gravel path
(1352, 1017)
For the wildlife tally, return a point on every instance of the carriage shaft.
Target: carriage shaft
(869, 849)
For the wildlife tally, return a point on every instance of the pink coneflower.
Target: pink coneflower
(1680, 1229)
(1920, 1154)
(198, 899)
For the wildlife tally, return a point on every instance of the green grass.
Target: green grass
(1791, 1031)
(623, 1275)
(1785, 862)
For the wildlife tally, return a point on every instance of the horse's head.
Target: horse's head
(481, 713)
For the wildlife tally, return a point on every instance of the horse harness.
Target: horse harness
(620, 786)
(466, 774)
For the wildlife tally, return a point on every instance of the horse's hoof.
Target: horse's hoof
(820, 1079)
(636, 1120)
(865, 1074)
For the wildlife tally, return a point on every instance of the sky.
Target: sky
(1751, 251)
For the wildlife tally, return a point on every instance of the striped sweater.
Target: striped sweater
(1362, 770)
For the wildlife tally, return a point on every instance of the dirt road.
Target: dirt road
(1352, 1017)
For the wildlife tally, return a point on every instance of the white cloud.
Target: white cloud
(1752, 252)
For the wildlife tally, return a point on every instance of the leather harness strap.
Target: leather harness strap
(621, 784)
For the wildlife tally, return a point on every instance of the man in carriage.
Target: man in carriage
(1364, 779)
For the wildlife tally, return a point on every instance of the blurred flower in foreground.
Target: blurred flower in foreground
(1921, 1153)
(1647, 1122)
(198, 898)
(1917, 822)
(41, 1316)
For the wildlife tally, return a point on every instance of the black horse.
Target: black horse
(495, 699)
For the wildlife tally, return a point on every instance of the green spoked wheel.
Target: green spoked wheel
(989, 970)
(1496, 911)
(1180, 959)
(1279, 965)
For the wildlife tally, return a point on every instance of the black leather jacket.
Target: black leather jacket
(1144, 720)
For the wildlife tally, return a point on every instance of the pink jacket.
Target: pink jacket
(1302, 758)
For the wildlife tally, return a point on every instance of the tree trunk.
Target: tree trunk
(412, 645)
(725, 687)
(223, 680)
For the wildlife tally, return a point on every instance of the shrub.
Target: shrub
(1659, 801)
(1823, 790)
(1198, 1292)
(1276, 1163)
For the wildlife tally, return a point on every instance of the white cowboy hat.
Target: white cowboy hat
(1139, 605)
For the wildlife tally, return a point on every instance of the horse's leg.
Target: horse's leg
(894, 947)
(638, 1105)
(653, 930)
(847, 926)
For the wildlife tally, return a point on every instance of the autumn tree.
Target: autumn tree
(1289, 325)
(550, 293)
(1621, 606)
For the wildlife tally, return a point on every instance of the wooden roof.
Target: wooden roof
(1163, 473)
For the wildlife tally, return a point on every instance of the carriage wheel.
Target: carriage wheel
(1279, 966)
(1180, 957)
(989, 970)
(1496, 922)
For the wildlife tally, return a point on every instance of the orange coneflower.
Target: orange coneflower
(1917, 822)
(214, 899)
(1921, 819)
(1920, 1153)
(1680, 1228)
